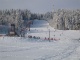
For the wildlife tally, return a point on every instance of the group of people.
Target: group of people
(33, 37)
(30, 36)
(51, 38)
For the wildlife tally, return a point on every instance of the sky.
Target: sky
(39, 6)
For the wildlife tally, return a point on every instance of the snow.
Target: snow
(23, 48)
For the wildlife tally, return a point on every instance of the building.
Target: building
(4, 30)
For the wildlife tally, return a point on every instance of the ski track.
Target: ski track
(22, 49)
(62, 55)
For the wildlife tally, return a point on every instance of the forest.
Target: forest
(61, 19)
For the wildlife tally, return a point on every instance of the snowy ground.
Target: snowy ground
(17, 48)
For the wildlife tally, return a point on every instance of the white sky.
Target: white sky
(39, 6)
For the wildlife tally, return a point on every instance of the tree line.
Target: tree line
(59, 19)
(66, 19)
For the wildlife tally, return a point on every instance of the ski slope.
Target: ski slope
(19, 48)
(41, 28)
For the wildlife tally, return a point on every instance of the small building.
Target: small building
(12, 30)
(4, 30)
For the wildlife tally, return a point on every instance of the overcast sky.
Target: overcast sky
(39, 6)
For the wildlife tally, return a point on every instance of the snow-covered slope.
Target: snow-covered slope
(41, 28)
(17, 48)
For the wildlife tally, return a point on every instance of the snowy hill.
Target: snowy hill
(41, 28)
(17, 48)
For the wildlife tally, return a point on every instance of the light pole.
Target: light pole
(49, 35)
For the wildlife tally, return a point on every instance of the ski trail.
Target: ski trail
(62, 55)
(20, 49)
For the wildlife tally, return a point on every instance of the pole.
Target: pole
(49, 35)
